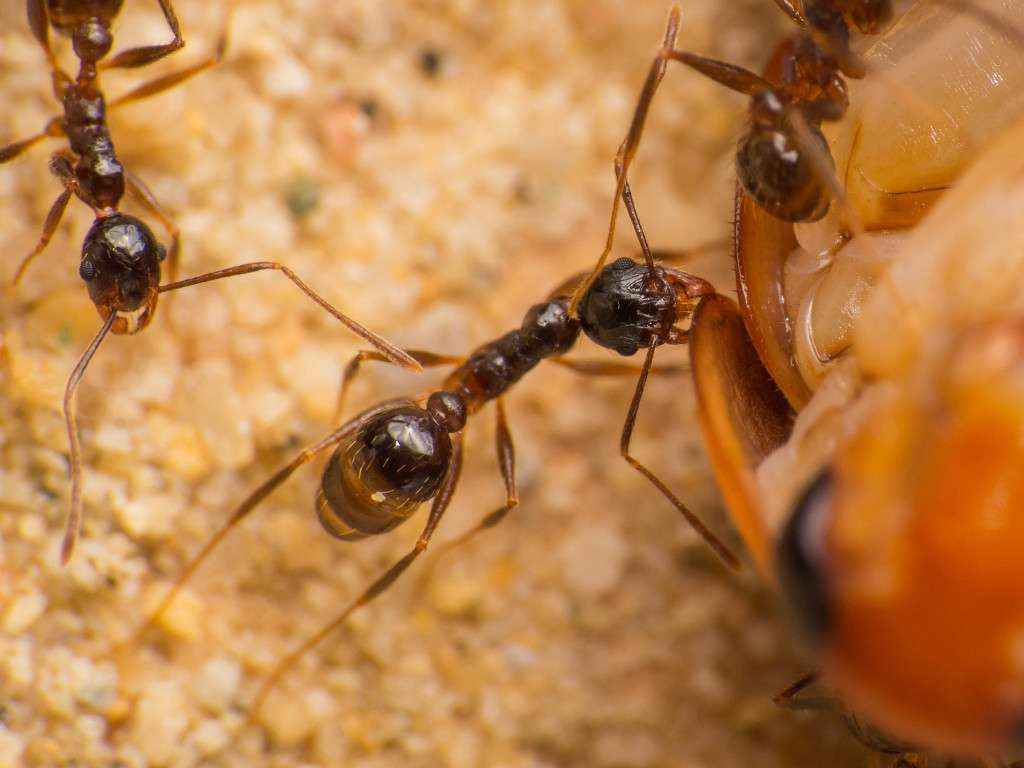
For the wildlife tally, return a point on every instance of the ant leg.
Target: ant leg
(606, 368)
(790, 698)
(52, 129)
(166, 82)
(437, 510)
(507, 465)
(793, 11)
(15, 148)
(148, 200)
(49, 227)
(248, 505)
(74, 522)
(39, 23)
(61, 167)
(794, 700)
(351, 369)
(628, 148)
(733, 77)
(147, 54)
(389, 350)
(627, 433)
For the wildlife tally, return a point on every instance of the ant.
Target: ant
(399, 454)
(783, 161)
(121, 257)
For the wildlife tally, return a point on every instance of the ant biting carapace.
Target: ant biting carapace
(785, 159)
(120, 257)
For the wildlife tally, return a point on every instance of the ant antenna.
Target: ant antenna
(74, 522)
(628, 148)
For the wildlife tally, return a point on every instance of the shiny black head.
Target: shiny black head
(395, 461)
(626, 306)
(801, 560)
(776, 171)
(121, 267)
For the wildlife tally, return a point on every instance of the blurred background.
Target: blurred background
(433, 168)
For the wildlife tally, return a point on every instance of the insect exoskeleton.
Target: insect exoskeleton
(886, 507)
(904, 547)
(944, 82)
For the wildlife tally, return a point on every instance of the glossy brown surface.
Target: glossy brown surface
(742, 414)
(379, 476)
(762, 245)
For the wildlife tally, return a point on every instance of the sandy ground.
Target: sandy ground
(434, 168)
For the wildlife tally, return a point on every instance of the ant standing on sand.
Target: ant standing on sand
(121, 257)
(393, 457)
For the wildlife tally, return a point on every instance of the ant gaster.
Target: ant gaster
(121, 257)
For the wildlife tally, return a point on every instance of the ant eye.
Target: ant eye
(87, 270)
(802, 559)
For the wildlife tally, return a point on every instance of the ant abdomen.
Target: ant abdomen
(777, 172)
(393, 463)
(121, 268)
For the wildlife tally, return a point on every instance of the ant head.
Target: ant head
(626, 305)
(121, 267)
(902, 561)
(778, 173)
(394, 462)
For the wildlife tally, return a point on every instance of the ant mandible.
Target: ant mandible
(121, 257)
(397, 455)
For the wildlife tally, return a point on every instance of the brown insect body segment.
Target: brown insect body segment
(547, 330)
(743, 416)
(375, 480)
(771, 163)
(69, 16)
(762, 245)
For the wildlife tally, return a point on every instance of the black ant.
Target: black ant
(120, 255)
(401, 453)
